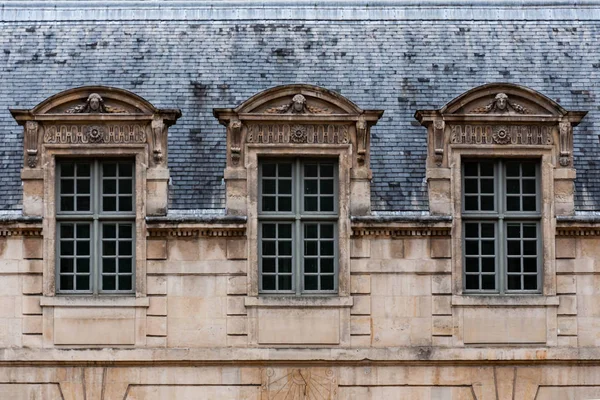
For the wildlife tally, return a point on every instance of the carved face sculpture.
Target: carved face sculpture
(299, 102)
(501, 101)
(94, 101)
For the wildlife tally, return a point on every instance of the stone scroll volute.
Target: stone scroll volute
(496, 120)
(295, 119)
(96, 120)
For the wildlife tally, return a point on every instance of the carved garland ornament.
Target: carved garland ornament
(298, 105)
(94, 104)
(501, 105)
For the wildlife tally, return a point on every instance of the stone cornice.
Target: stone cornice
(20, 229)
(196, 230)
(401, 229)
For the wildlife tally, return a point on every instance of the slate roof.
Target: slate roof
(397, 66)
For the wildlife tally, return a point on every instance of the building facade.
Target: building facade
(300, 201)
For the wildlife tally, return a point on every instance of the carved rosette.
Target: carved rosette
(501, 135)
(298, 134)
(94, 133)
(31, 143)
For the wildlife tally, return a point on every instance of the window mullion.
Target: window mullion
(298, 180)
(96, 201)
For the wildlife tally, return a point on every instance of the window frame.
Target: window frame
(96, 219)
(500, 218)
(298, 217)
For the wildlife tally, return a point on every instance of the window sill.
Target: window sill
(89, 301)
(505, 301)
(293, 301)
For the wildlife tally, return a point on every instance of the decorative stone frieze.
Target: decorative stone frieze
(196, 231)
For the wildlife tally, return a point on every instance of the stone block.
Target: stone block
(33, 341)
(442, 341)
(504, 325)
(360, 341)
(181, 249)
(196, 332)
(401, 285)
(441, 305)
(235, 305)
(237, 340)
(590, 248)
(31, 266)
(156, 326)
(566, 248)
(567, 326)
(416, 248)
(360, 248)
(157, 192)
(94, 326)
(156, 341)
(237, 249)
(32, 324)
(158, 306)
(33, 197)
(31, 305)
(237, 325)
(567, 341)
(442, 326)
(360, 325)
(156, 285)
(156, 249)
(565, 284)
(33, 248)
(400, 306)
(360, 284)
(387, 249)
(441, 284)
(213, 249)
(567, 305)
(565, 266)
(295, 326)
(11, 248)
(420, 331)
(361, 306)
(440, 248)
(588, 331)
(32, 284)
(237, 285)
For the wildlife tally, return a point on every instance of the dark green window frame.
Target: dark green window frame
(95, 226)
(298, 215)
(501, 213)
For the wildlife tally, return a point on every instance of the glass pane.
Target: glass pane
(488, 265)
(109, 204)
(268, 248)
(471, 203)
(285, 231)
(514, 230)
(285, 170)
(529, 247)
(487, 230)
(83, 186)
(530, 282)
(109, 231)
(67, 169)
(472, 230)
(472, 247)
(326, 186)
(311, 282)
(327, 282)
(514, 264)
(310, 170)
(109, 282)
(109, 248)
(268, 282)
(472, 282)
(326, 170)
(529, 203)
(125, 265)
(513, 186)
(285, 248)
(109, 186)
(125, 186)
(528, 169)
(66, 248)
(66, 265)
(109, 265)
(83, 203)
(326, 248)
(285, 186)
(486, 169)
(83, 169)
(269, 170)
(125, 248)
(109, 169)
(311, 248)
(311, 231)
(66, 231)
(530, 265)
(125, 282)
(83, 282)
(514, 248)
(487, 247)
(488, 282)
(514, 282)
(513, 203)
(326, 231)
(310, 204)
(268, 265)
(268, 230)
(268, 203)
(66, 282)
(269, 186)
(83, 231)
(471, 186)
(125, 203)
(487, 186)
(66, 186)
(83, 248)
(471, 169)
(67, 203)
(529, 231)
(285, 282)
(311, 186)
(487, 203)
(285, 265)
(512, 169)
(125, 169)
(529, 186)
(327, 265)
(125, 231)
(285, 204)
(471, 264)
(327, 204)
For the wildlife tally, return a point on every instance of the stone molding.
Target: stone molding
(20, 230)
(401, 231)
(191, 230)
